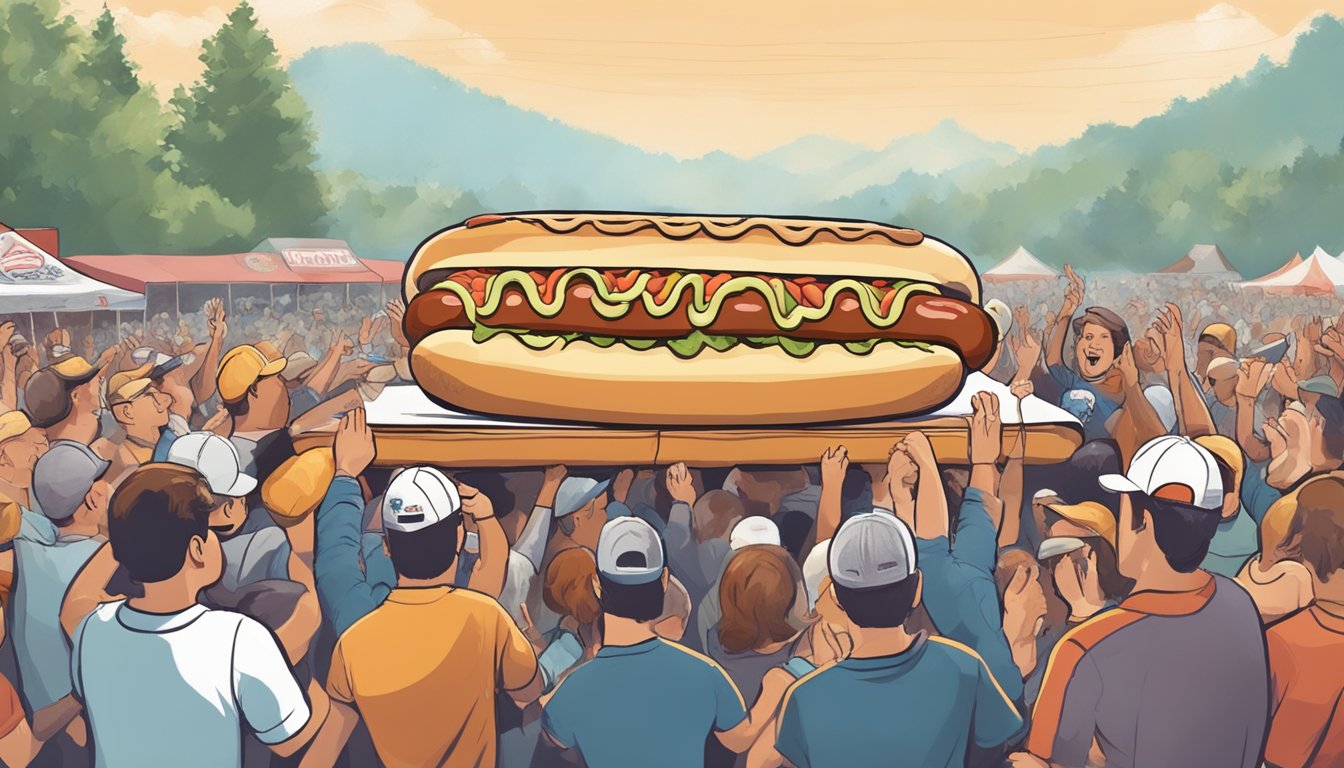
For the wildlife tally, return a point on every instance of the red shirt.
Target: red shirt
(1307, 683)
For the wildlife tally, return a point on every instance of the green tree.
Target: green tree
(106, 59)
(244, 131)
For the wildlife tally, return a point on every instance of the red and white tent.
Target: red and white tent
(1204, 259)
(1319, 274)
(1293, 262)
(1020, 265)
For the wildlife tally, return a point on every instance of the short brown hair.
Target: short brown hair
(1316, 536)
(569, 586)
(154, 514)
(723, 509)
(1106, 319)
(757, 594)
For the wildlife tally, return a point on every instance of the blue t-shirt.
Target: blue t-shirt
(1257, 495)
(1085, 401)
(1234, 542)
(920, 708)
(651, 704)
(959, 590)
(165, 443)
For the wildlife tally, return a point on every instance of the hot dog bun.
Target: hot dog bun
(748, 244)
(584, 383)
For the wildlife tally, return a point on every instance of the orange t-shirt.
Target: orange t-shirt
(423, 669)
(11, 710)
(1308, 683)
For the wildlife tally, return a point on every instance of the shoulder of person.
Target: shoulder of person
(691, 659)
(963, 657)
(1089, 634)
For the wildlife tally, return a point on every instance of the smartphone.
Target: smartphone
(473, 542)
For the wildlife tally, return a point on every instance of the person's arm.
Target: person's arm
(1251, 381)
(1073, 298)
(89, 589)
(930, 499)
(532, 541)
(1138, 421)
(273, 705)
(1011, 483)
(320, 380)
(296, 634)
(834, 465)
(53, 718)
(203, 380)
(488, 575)
(741, 737)
(345, 592)
(331, 738)
(1168, 335)
(680, 540)
(985, 442)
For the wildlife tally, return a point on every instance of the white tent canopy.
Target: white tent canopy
(1319, 273)
(1203, 259)
(32, 281)
(1021, 265)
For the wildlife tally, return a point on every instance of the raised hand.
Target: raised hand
(1285, 380)
(6, 333)
(1022, 389)
(1276, 436)
(1170, 325)
(1073, 294)
(365, 331)
(917, 446)
(1252, 377)
(834, 465)
(986, 431)
(353, 447)
(214, 318)
(396, 313)
(1129, 370)
(620, 487)
(475, 504)
(679, 483)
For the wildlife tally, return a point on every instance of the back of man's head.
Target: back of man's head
(421, 516)
(155, 513)
(631, 569)
(1316, 536)
(873, 569)
(715, 513)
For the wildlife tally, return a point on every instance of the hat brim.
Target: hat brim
(582, 501)
(1118, 484)
(272, 368)
(1059, 545)
(241, 487)
(166, 367)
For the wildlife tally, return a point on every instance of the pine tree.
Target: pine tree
(106, 61)
(244, 130)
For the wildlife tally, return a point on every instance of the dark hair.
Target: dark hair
(1076, 479)
(238, 408)
(1227, 474)
(1183, 531)
(637, 602)
(1332, 414)
(493, 485)
(47, 398)
(878, 607)
(427, 553)
(154, 515)
(1106, 319)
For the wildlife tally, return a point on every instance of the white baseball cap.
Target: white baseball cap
(872, 550)
(814, 570)
(417, 498)
(753, 530)
(1171, 468)
(629, 551)
(216, 459)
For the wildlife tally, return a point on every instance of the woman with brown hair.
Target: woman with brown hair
(764, 609)
(569, 592)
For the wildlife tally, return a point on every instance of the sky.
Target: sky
(745, 76)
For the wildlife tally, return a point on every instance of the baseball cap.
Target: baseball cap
(269, 350)
(297, 365)
(1225, 450)
(297, 486)
(872, 550)
(753, 530)
(814, 571)
(74, 369)
(1321, 385)
(1223, 334)
(216, 460)
(575, 493)
(1045, 493)
(11, 520)
(375, 380)
(1171, 468)
(240, 368)
(1225, 365)
(125, 386)
(1059, 545)
(160, 364)
(13, 424)
(629, 551)
(1090, 515)
(63, 477)
(1163, 404)
(417, 498)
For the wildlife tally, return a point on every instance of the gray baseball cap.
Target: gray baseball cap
(629, 551)
(63, 477)
(872, 550)
(575, 493)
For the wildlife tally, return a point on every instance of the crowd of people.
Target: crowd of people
(183, 586)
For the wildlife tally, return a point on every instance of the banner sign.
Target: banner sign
(319, 258)
(22, 262)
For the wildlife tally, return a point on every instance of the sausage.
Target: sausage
(942, 320)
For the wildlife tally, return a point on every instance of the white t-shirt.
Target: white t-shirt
(180, 688)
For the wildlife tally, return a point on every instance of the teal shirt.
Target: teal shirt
(920, 708)
(1235, 542)
(1257, 495)
(960, 594)
(346, 591)
(652, 705)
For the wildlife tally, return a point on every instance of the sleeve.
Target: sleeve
(517, 585)
(338, 677)
(561, 654)
(346, 593)
(996, 717)
(976, 542)
(76, 665)
(1063, 376)
(681, 550)
(278, 567)
(531, 542)
(1064, 720)
(268, 696)
(729, 709)
(11, 710)
(378, 568)
(558, 717)
(790, 738)
(515, 659)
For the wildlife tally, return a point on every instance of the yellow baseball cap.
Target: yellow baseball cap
(240, 368)
(269, 350)
(74, 368)
(1090, 515)
(1223, 334)
(11, 517)
(296, 488)
(124, 386)
(1226, 451)
(13, 424)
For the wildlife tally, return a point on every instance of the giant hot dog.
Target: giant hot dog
(635, 318)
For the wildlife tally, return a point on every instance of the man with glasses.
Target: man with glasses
(142, 411)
